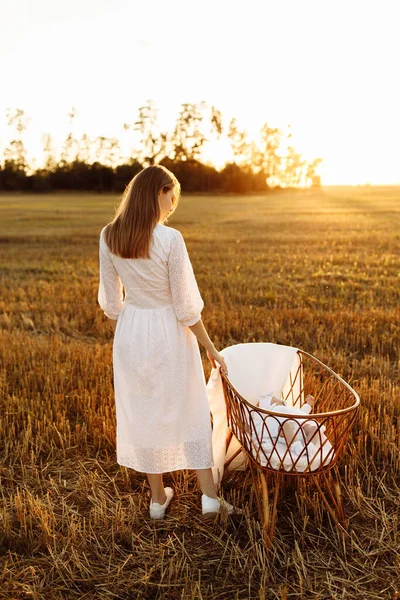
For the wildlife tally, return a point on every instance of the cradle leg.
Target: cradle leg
(337, 496)
(269, 514)
(266, 509)
(266, 517)
(337, 514)
(254, 489)
(277, 480)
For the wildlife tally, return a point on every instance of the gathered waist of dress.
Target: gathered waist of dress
(135, 304)
(148, 299)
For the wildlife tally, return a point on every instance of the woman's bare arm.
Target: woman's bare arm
(214, 356)
(200, 332)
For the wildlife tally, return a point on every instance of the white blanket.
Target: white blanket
(253, 368)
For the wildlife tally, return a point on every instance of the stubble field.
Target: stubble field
(319, 270)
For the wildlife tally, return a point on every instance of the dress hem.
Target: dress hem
(167, 470)
(196, 454)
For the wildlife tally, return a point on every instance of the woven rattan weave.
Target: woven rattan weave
(334, 411)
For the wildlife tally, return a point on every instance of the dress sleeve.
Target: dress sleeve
(110, 293)
(187, 300)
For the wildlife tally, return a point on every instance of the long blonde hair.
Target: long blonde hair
(129, 233)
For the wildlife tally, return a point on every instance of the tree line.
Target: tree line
(97, 165)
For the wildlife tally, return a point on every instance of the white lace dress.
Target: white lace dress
(162, 411)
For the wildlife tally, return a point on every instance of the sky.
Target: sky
(329, 69)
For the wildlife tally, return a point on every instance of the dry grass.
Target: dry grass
(320, 271)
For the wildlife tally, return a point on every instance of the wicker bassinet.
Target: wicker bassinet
(334, 411)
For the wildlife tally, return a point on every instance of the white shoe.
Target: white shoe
(212, 506)
(157, 510)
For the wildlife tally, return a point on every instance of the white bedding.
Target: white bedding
(302, 456)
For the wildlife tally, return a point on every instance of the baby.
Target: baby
(287, 441)
(290, 428)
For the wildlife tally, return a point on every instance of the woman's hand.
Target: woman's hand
(215, 357)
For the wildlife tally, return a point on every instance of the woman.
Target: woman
(163, 417)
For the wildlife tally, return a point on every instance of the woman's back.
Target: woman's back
(165, 279)
(146, 280)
